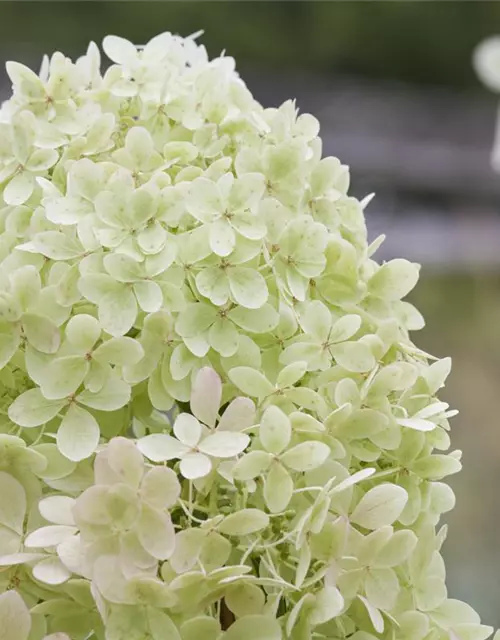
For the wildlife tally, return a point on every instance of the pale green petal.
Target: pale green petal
(156, 532)
(57, 509)
(251, 382)
(278, 488)
(328, 604)
(15, 617)
(251, 465)
(114, 395)
(188, 544)
(252, 627)
(12, 503)
(244, 522)
(31, 409)
(204, 199)
(195, 319)
(19, 188)
(63, 376)
(121, 351)
(83, 331)
(41, 332)
(78, 435)
(160, 447)
(58, 245)
(316, 320)
(187, 429)
(57, 465)
(182, 362)
(49, 536)
(275, 430)
(245, 599)
(160, 488)
(224, 444)
(213, 283)
(51, 571)
(149, 295)
(381, 506)
(206, 396)
(306, 456)
(261, 320)
(224, 337)
(291, 374)
(222, 238)
(200, 627)
(394, 280)
(10, 338)
(239, 415)
(354, 356)
(195, 465)
(248, 287)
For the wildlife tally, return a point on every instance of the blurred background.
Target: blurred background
(393, 87)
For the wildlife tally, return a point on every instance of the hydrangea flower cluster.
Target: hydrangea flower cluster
(214, 423)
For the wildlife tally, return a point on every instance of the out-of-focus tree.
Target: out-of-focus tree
(421, 42)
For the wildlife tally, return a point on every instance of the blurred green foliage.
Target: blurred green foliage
(412, 41)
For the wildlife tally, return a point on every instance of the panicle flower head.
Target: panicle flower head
(214, 421)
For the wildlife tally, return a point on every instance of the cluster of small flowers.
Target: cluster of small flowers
(214, 422)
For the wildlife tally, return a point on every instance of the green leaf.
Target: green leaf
(306, 456)
(15, 617)
(253, 627)
(31, 409)
(244, 522)
(380, 506)
(41, 332)
(251, 382)
(78, 434)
